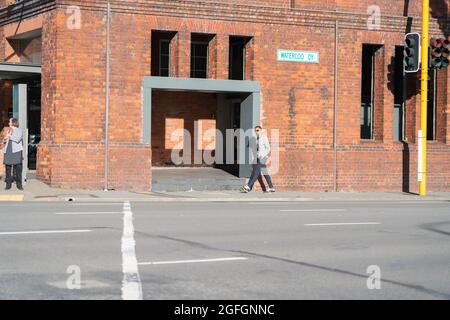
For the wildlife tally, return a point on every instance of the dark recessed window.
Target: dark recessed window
(161, 52)
(237, 57)
(199, 60)
(397, 85)
(164, 57)
(432, 104)
(368, 90)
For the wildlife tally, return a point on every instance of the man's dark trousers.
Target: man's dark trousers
(256, 175)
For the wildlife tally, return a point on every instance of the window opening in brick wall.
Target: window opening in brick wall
(199, 59)
(164, 57)
(368, 90)
(238, 52)
(399, 89)
(432, 104)
(161, 52)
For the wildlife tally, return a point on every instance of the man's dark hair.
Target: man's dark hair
(15, 122)
(258, 127)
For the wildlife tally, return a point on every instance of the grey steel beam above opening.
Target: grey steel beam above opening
(16, 70)
(205, 85)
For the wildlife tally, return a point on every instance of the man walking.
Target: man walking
(262, 147)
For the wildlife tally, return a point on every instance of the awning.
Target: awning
(9, 71)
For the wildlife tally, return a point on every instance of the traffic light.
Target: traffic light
(445, 53)
(440, 53)
(411, 55)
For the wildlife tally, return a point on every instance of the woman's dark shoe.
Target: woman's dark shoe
(8, 186)
(20, 187)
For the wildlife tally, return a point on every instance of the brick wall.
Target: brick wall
(73, 110)
(2, 37)
(297, 98)
(2, 45)
(172, 111)
(48, 98)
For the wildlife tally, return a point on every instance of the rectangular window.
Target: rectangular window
(432, 104)
(164, 57)
(199, 60)
(367, 94)
(161, 52)
(237, 57)
(398, 87)
(370, 83)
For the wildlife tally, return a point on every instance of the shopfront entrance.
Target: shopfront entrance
(20, 97)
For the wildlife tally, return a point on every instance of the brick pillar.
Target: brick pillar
(447, 112)
(2, 44)
(212, 59)
(249, 59)
(173, 65)
(183, 54)
(388, 99)
(442, 101)
(223, 56)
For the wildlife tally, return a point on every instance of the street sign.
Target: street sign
(297, 56)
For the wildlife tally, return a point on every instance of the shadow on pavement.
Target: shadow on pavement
(300, 263)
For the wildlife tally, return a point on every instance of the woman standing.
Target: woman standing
(13, 155)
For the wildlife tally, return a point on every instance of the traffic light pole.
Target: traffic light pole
(422, 137)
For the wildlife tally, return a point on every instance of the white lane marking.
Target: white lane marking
(42, 232)
(82, 213)
(313, 210)
(341, 224)
(192, 261)
(96, 204)
(131, 283)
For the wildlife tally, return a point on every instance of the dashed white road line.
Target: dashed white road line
(313, 210)
(341, 224)
(131, 283)
(86, 213)
(192, 261)
(96, 204)
(42, 232)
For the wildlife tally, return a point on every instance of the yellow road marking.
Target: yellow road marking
(12, 197)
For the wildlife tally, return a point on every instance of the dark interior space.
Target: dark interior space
(237, 57)
(161, 52)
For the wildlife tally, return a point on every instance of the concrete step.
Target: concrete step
(195, 179)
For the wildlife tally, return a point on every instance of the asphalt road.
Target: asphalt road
(307, 250)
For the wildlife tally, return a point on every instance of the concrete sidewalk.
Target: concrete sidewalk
(38, 191)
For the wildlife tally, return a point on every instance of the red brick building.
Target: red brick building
(96, 129)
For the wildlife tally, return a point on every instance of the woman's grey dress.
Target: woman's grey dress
(11, 158)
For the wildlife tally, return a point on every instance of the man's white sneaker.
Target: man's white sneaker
(245, 189)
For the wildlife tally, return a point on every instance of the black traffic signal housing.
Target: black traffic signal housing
(411, 54)
(439, 53)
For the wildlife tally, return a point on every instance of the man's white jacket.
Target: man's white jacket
(261, 148)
